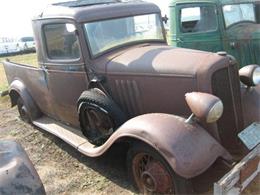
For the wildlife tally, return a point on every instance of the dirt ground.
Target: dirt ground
(62, 169)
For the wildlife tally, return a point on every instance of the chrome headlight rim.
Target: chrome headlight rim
(215, 112)
(249, 75)
(256, 76)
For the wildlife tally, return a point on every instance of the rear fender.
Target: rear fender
(188, 148)
(17, 88)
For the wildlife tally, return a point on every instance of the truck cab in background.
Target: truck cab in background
(217, 25)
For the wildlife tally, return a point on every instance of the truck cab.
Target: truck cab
(218, 25)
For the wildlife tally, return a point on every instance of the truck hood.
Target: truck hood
(162, 60)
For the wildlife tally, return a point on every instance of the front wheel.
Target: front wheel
(151, 174)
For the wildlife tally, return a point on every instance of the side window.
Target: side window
(61, 41)
(198, 19)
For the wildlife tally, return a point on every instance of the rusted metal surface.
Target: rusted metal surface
(18, 87)
(43, 89)
(17, 174)
(238, 178)
(165, 65)
(170, 140)
(187, 160)
(99, 12)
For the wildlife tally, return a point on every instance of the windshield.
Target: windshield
(238, 12)
(107, 34)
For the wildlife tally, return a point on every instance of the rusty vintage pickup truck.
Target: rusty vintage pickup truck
(106, 75)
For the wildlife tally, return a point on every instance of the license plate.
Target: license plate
(250, 136)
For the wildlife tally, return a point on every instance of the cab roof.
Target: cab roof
(220, 2)
(92, 10)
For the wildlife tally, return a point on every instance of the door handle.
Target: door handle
(45, 69)
(233, 45)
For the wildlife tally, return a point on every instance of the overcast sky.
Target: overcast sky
(15, 15)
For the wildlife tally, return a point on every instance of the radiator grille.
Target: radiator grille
(226, 86)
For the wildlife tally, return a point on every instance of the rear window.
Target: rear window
(61, 42)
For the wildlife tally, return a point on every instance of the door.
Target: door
(65, 71)
(198, 27)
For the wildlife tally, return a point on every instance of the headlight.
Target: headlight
(250, 75)
(204, 106)
(256, 76)
(215, 112)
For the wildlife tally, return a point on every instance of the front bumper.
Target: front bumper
(238, 178)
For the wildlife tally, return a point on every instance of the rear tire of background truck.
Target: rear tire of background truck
(23, 111)
(99, 116)
(151, 174)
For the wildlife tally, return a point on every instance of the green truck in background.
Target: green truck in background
(218, 25)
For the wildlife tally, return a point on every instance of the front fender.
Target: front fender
(251, 104)
(188, 148)
(16, 89)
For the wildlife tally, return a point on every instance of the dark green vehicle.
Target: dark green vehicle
(218, 25)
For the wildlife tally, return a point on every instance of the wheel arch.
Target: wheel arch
(97, 83)
(188, 149)
(17, 89)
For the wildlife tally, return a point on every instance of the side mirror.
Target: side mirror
(165, 19)
(250, 75)
(204, 106)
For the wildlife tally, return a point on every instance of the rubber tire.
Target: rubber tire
(92, 97)
(181, 185)
(24, 115)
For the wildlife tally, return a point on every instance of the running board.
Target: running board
(72, 136)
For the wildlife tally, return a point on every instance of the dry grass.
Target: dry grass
(3, 80)
(28, 59)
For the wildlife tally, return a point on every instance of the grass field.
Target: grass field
(28, 59)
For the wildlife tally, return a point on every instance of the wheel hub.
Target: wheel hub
(149, 181)
(156, 178)
(151, 176)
